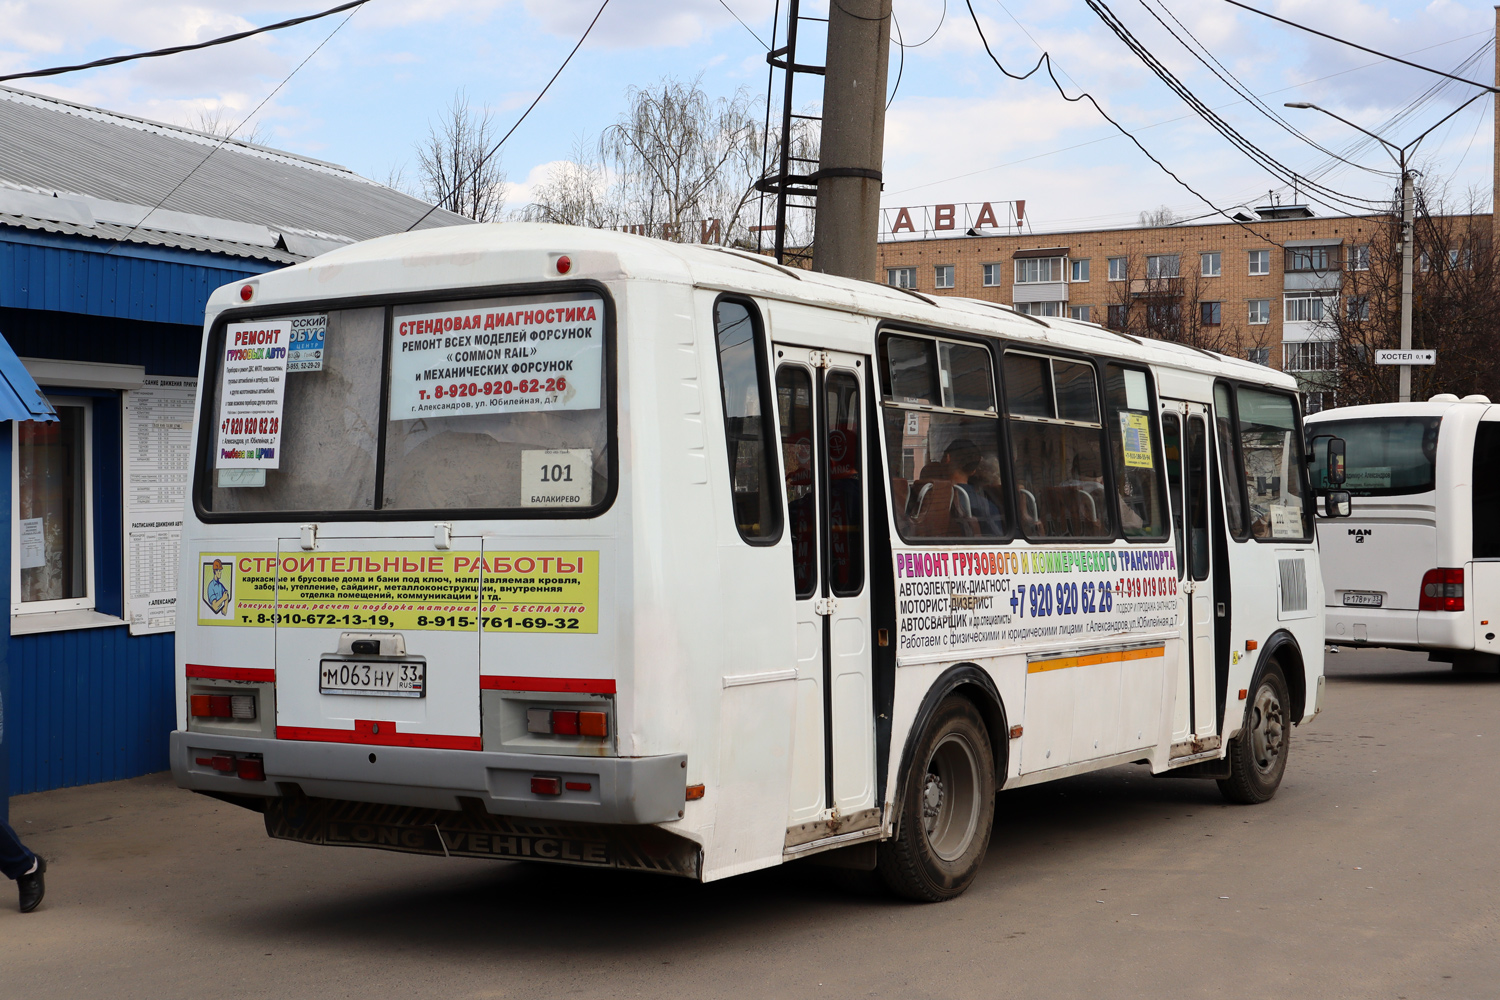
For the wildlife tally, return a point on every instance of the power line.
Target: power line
(175, 49)
(1317, 192)
(1169, 121)
(743, 24)
(484, 159)
(1354, 45)
(1046, 60)
(353, 9)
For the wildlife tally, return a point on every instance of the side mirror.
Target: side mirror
(1337, 503)
(1335, 473)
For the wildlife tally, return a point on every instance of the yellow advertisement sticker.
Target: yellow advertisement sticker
(533, 592)
(1135, 434)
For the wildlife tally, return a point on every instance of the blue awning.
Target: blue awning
(20, 399)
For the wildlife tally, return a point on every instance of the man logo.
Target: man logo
(1359, 535)
(218, 586)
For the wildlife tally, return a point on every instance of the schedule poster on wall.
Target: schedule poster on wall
(158, 460)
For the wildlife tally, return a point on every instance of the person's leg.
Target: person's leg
(15, 859)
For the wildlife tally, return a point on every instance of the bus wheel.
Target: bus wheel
(947, 808)
(1257, 756)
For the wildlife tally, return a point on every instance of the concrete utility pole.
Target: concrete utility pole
(1408, 200)
(847, 220)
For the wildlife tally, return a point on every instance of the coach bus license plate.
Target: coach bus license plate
(1358, 600)
(391, 679)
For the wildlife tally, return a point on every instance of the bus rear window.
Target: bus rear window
(1385, 456)
(496, 404)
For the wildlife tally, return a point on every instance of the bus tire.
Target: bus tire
(947, 808)
(1257, 756)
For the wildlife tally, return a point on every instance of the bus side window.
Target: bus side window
(1056, 454)
(794, 404)
(1229, 462)
(1171, 446)
(1486, 512)
(942, 434)
(1127, 394)
(846, 522)
(745, 391)
(1271, 449)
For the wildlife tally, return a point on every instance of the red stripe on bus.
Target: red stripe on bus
(265, 674)
(387, 737)
(575, 685)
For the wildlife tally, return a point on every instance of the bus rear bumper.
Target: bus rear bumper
(617, 790)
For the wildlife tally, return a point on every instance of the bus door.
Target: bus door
(1186, 432)
(819, 396)
(351, 670)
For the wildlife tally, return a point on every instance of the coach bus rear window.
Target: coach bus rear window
(1385, 456)
(492, 404)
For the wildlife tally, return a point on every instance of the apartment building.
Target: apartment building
(1260, 288)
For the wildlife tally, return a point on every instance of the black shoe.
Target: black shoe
(33, 887)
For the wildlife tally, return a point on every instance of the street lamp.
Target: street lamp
(1399, 154)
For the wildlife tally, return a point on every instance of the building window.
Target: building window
(1163, 315)
(1165, 265)
(52, 559)
(991, 275)
(1463, 259)
(1039, 308)
(1211, 313)
(1118, 268)
(1424, 262)
(1258, 356)
(942, 276)
(1312, 258)
(1079, 312)
(1317, 402)
(1034, 269)
(1080, 270)
(1260, 262)
(1309, 356)
(1359, 258)
(1260, 312)
(1307, 308)
(1117, 317)
(1358, 308)
(1209, 263)
(901, 277)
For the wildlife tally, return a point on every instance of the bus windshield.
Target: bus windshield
(489, 405)
(1387, 456)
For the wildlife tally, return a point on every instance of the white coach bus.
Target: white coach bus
(1417, 565)
(544, 543)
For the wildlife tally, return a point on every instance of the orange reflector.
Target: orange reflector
(694, 792)
(1015, 732)
(1251, 644)
(593, 724)
(1244, 693)
(199, 706)
(545, 786)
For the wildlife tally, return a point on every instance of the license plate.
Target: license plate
(1363, 600)
(387, 678)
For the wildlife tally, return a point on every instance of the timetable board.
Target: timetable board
(158, 463)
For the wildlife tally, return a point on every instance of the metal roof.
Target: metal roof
(20, 398)
(68, 168)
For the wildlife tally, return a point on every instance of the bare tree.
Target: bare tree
(677, 165)
(222, 122)
(1456, 277)
(1162, 216)
(458, 171)
(1157, 302)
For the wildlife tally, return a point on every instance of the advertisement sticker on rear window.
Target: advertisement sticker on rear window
(253, 391)
(501, 358)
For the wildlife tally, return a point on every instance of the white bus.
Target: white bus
(1417, 566)
(556, 544)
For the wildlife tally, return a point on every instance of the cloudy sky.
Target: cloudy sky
(957, 129)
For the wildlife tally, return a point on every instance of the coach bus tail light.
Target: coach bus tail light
(222, 706)
(1442, 590)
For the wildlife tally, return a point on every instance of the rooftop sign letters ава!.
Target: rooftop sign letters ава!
(975, 218)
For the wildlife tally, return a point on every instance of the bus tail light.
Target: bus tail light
(251, 768)
(544, 785)
(1442, 590)
(222, 706)
(567, 722)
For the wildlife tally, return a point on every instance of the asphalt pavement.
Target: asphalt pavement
(1372, 874)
